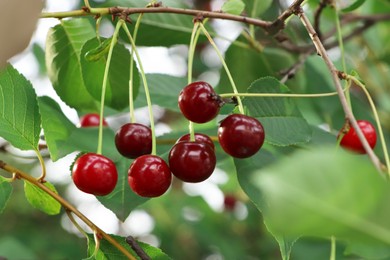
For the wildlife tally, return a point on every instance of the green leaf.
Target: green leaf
(246, 169)
(355, 5)
(282, 121)
(117, 92)
(107, 251)
(56, 126)
(63, 48)
(325, 192)
(159, 29)
(39, 55)
(163, 89)
(233, 7)
(19, 115)
(86, 139)
(122, 200)
(255, 8)
(98, 52)
(40, 199)
(5, 193)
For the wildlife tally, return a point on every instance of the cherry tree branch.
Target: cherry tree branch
(335, 77)
(69, 207)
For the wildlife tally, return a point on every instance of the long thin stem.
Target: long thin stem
(43, 167)
(191, 52)
(146, 88)
(334, 73)
(204, 30)
(224, 95)
(332, 248)
(131, 82)
(377, 120)
(104, 85)
(22, 175)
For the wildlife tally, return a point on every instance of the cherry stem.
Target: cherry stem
(104, 86)
(146, 88)
(240, 106)
(98, 22)
(43, 167)
(225, 95)
(377, 120)
(335, 77)
(22, 175)
(131, 81)
(191, 52)
(332, 248)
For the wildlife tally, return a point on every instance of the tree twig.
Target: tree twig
(69, 207)
(335, 77)
(137, 249)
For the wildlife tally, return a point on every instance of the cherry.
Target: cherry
(241, 136)
(149, 176)
(133, 140)
(229, 202)
(95, 174)
(199, 103)
(351, 141)
(192, 161)
(90, 120)
(200, 138)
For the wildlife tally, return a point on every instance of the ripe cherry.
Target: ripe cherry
(200, 138)
(192, 161)
(351, 141)
(229, 202)
(133, 140)
(95, 174)
(149, 176)
(91, 120)
(241, 136)
(199, 103)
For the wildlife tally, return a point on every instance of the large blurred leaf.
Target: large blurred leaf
(122, 200)
(159, 29)
(5, 193)
(56, 126)
(19, 115)
(325, 192)
(107, 251)
(355, 5)
(40, 199)
(117, 92)
(63, 48)
(282, 121)
(164, 91)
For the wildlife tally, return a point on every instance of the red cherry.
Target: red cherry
(90, 120)
(241, 136)
(199, 103)
(351, 140)
(192, 161)
(133, 140)
(200, 138)
(229, 202)
(95, 174)
(149, 176)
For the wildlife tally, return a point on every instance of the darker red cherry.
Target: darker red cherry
(241, 136)
(192, 161)
(199, 103)
(200, 138)
(149, 176)
(351, 140)
(94, 174)
(133, 140)
(92, 119)
(229, 202)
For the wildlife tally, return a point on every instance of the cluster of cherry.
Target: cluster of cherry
(191, 159)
